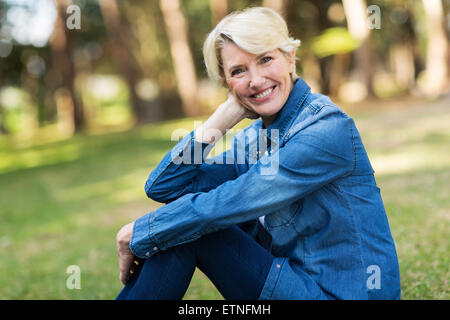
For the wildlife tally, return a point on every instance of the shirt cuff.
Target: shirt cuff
(141, 245)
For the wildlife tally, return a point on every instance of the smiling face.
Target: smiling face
(261, 82)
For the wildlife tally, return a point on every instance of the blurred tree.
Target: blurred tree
(2, 128)
(278, 5)
(403, 49)
(355, 12)
(219, 9)
(121, 53)
(436, 56)
(67, 100)
(183, 63)
(321, 23)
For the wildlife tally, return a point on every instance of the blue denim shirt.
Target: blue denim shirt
(308, 174)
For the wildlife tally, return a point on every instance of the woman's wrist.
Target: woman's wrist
(224, 118)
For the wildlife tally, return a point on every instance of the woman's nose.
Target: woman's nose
(256, 80)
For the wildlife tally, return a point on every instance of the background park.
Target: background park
(92, 90)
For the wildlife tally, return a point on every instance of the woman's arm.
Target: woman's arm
(183, 169)
(169, 181)
(224, 118)
(311, 158)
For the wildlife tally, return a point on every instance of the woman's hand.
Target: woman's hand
(226, 116)
(236, 103)
(127, 260)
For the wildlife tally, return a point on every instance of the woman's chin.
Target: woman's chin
(267, 111)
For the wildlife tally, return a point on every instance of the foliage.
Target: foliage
(334, 41)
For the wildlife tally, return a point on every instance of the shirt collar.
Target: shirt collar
(290, 109)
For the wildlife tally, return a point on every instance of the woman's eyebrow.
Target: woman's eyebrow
(256, 58)
(262, 55)
(236, 66)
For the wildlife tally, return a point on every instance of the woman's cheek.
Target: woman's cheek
(232, 85)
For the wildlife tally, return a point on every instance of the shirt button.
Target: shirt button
(266, 153)
(278, 266)
(147, 254)
(155, 248)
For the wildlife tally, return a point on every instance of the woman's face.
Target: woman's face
(261, 82)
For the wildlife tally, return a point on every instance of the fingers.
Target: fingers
(250, 112)
(125, 261)
(127, 270)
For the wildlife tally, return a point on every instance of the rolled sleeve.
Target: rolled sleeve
(186, 169)
(140, 240)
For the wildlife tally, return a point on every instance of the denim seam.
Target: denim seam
(271, 290)
(150, 234)
(358, 237)
(353, 149)
(299, 103)
(316, 110)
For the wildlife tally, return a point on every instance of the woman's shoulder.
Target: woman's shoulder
(322, 116)
(321, 104)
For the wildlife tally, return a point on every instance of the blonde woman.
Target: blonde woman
(290, 211)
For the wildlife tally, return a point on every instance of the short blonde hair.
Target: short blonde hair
(255, 30)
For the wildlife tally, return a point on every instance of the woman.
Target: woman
(290, 211)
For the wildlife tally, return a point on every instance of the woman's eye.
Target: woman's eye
(236, 72)
(266, 59)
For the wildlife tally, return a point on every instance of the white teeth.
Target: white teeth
(264, 94)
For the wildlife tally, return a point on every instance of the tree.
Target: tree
(219, 9)
(61, 58)
(355, 12)
(183, 63)
(436, 64)
(278, 5)
(121, 53)
(2, 128)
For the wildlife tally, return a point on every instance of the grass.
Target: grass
(62, 203)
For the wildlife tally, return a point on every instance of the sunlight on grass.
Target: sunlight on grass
(121, 189)
(25, 159)
(405, 160)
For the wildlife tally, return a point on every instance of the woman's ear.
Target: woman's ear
(292, 60)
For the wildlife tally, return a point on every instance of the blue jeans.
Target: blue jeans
(235, 263)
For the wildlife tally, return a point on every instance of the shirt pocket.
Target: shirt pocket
(283, 217)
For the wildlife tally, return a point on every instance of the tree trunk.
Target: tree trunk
(219, 9)
(338, 72)
(183, 63)
(2, 127)
(278, 5)
(355, 12)
(62, 61)
(402, 64)
(436, 64)
(121, 53)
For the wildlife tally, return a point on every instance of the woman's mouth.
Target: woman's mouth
(264, 95)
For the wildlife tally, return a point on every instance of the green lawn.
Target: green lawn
(62, 203)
